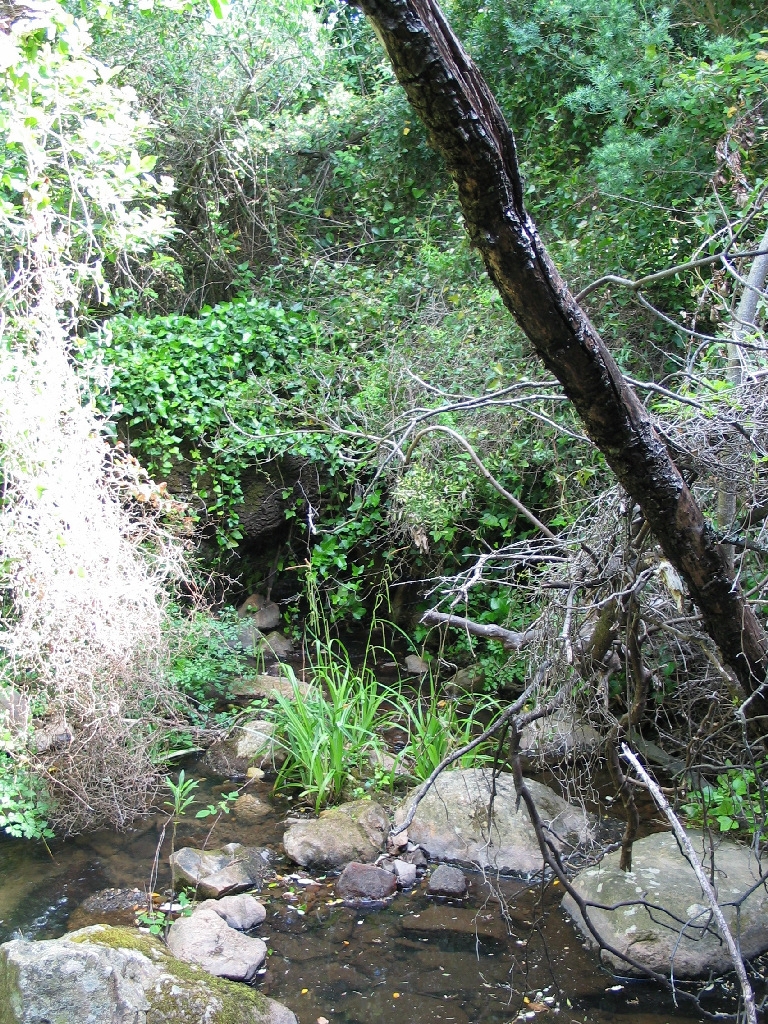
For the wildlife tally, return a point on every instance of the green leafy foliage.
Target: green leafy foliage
(158, 922)
(178, 378)
(207, 654)
(736, 802)
(72, 152)
(24, 803)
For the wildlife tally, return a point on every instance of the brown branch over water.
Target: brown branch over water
(465, 124)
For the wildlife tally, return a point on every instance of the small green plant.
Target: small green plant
(737, 801)
(157, 922)
(181, 795)
(182, 798)
(223, 806)
(207, 654)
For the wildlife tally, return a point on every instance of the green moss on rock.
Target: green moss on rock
(183, 993)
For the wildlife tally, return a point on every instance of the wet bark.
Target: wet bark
(466, 126)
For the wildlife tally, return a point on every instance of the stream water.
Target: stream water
(417, 959)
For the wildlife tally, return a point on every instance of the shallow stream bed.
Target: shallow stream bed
(417, 959)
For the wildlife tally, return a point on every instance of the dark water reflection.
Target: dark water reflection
(416, 960)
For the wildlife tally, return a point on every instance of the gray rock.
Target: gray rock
(206, 939)
(260, 612)
(447, 881)
(252, 743)
(556, 738)
(255, 743)
(103, 975)
(249, 637)
(466, 680)
(352, 832)
(677, 932)
(241, 912)
(264, 684)
(406, 874)
(216, 873)
(365, 882)
(451, 822)
(415, 856)
(415, 665)
(277, 645)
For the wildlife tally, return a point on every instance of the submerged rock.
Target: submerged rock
(215, 873)
(249, 808)
(352, 832)
(452, 822)
(678, 930)
(103, 975)
(109, 901)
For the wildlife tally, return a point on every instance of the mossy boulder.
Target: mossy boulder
(105, 975)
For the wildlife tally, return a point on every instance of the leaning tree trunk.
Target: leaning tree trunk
(466, 126)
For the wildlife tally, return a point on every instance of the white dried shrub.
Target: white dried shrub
(84, 585)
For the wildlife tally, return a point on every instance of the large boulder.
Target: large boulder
(557, 738)
(451, 822)
(664, 920)
(354, 831)
(206, 939)
(103, 975)
(214, 873)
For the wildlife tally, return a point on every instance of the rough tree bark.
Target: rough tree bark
(466, 126)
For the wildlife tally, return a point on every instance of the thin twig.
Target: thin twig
(682, 837)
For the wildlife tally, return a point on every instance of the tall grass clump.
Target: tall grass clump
(331, 728)
(436, 727)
